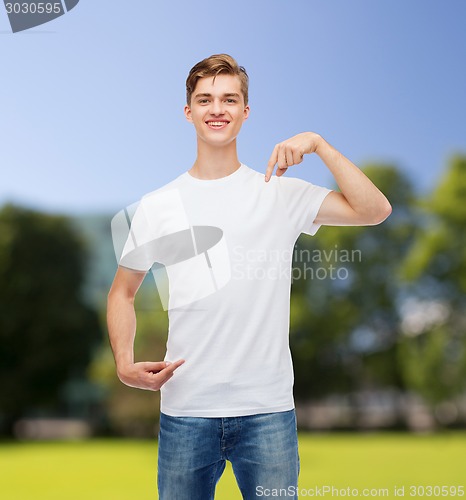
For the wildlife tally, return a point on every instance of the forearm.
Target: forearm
(121, 323)
(361, 194)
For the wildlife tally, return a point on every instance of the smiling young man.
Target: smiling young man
(226, 382)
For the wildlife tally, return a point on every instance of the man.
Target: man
(226, 382)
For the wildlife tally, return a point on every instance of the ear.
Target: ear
(187, 113)
(246, 111)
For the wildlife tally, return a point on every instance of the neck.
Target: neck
(215, 162)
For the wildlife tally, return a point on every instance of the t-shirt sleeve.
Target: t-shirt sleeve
(303, 201)
(146, 230)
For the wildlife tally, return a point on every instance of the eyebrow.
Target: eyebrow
(229, 94)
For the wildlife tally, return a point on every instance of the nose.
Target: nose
(216, 108)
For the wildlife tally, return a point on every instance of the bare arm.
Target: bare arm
(360, 201)
(121, 322)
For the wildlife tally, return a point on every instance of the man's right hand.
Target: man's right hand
(148, 375)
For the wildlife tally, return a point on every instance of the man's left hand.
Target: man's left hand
(291, 152)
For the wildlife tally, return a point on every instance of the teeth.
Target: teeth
(217, 124)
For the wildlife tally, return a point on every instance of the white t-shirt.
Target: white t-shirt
(224, 249)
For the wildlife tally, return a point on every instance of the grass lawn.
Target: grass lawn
(126, 470)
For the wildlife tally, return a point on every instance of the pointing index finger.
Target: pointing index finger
(271, 164)
(173, 366)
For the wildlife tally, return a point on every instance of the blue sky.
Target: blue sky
(91, 107)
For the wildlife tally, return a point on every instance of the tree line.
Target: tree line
(372, 308)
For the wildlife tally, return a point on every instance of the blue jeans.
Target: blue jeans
(263, 451)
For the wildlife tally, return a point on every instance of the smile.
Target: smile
(217, 125)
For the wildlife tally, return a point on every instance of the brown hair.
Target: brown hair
(213, 66)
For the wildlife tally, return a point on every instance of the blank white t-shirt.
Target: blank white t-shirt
(224, 247)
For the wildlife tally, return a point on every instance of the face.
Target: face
(217, 109)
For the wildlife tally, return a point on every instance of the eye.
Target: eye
(231, 101)
(203, 101)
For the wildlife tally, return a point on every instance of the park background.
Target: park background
(91, 119)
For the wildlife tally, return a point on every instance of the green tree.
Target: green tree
(433, 351)
(344, 327)
(47, 330)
